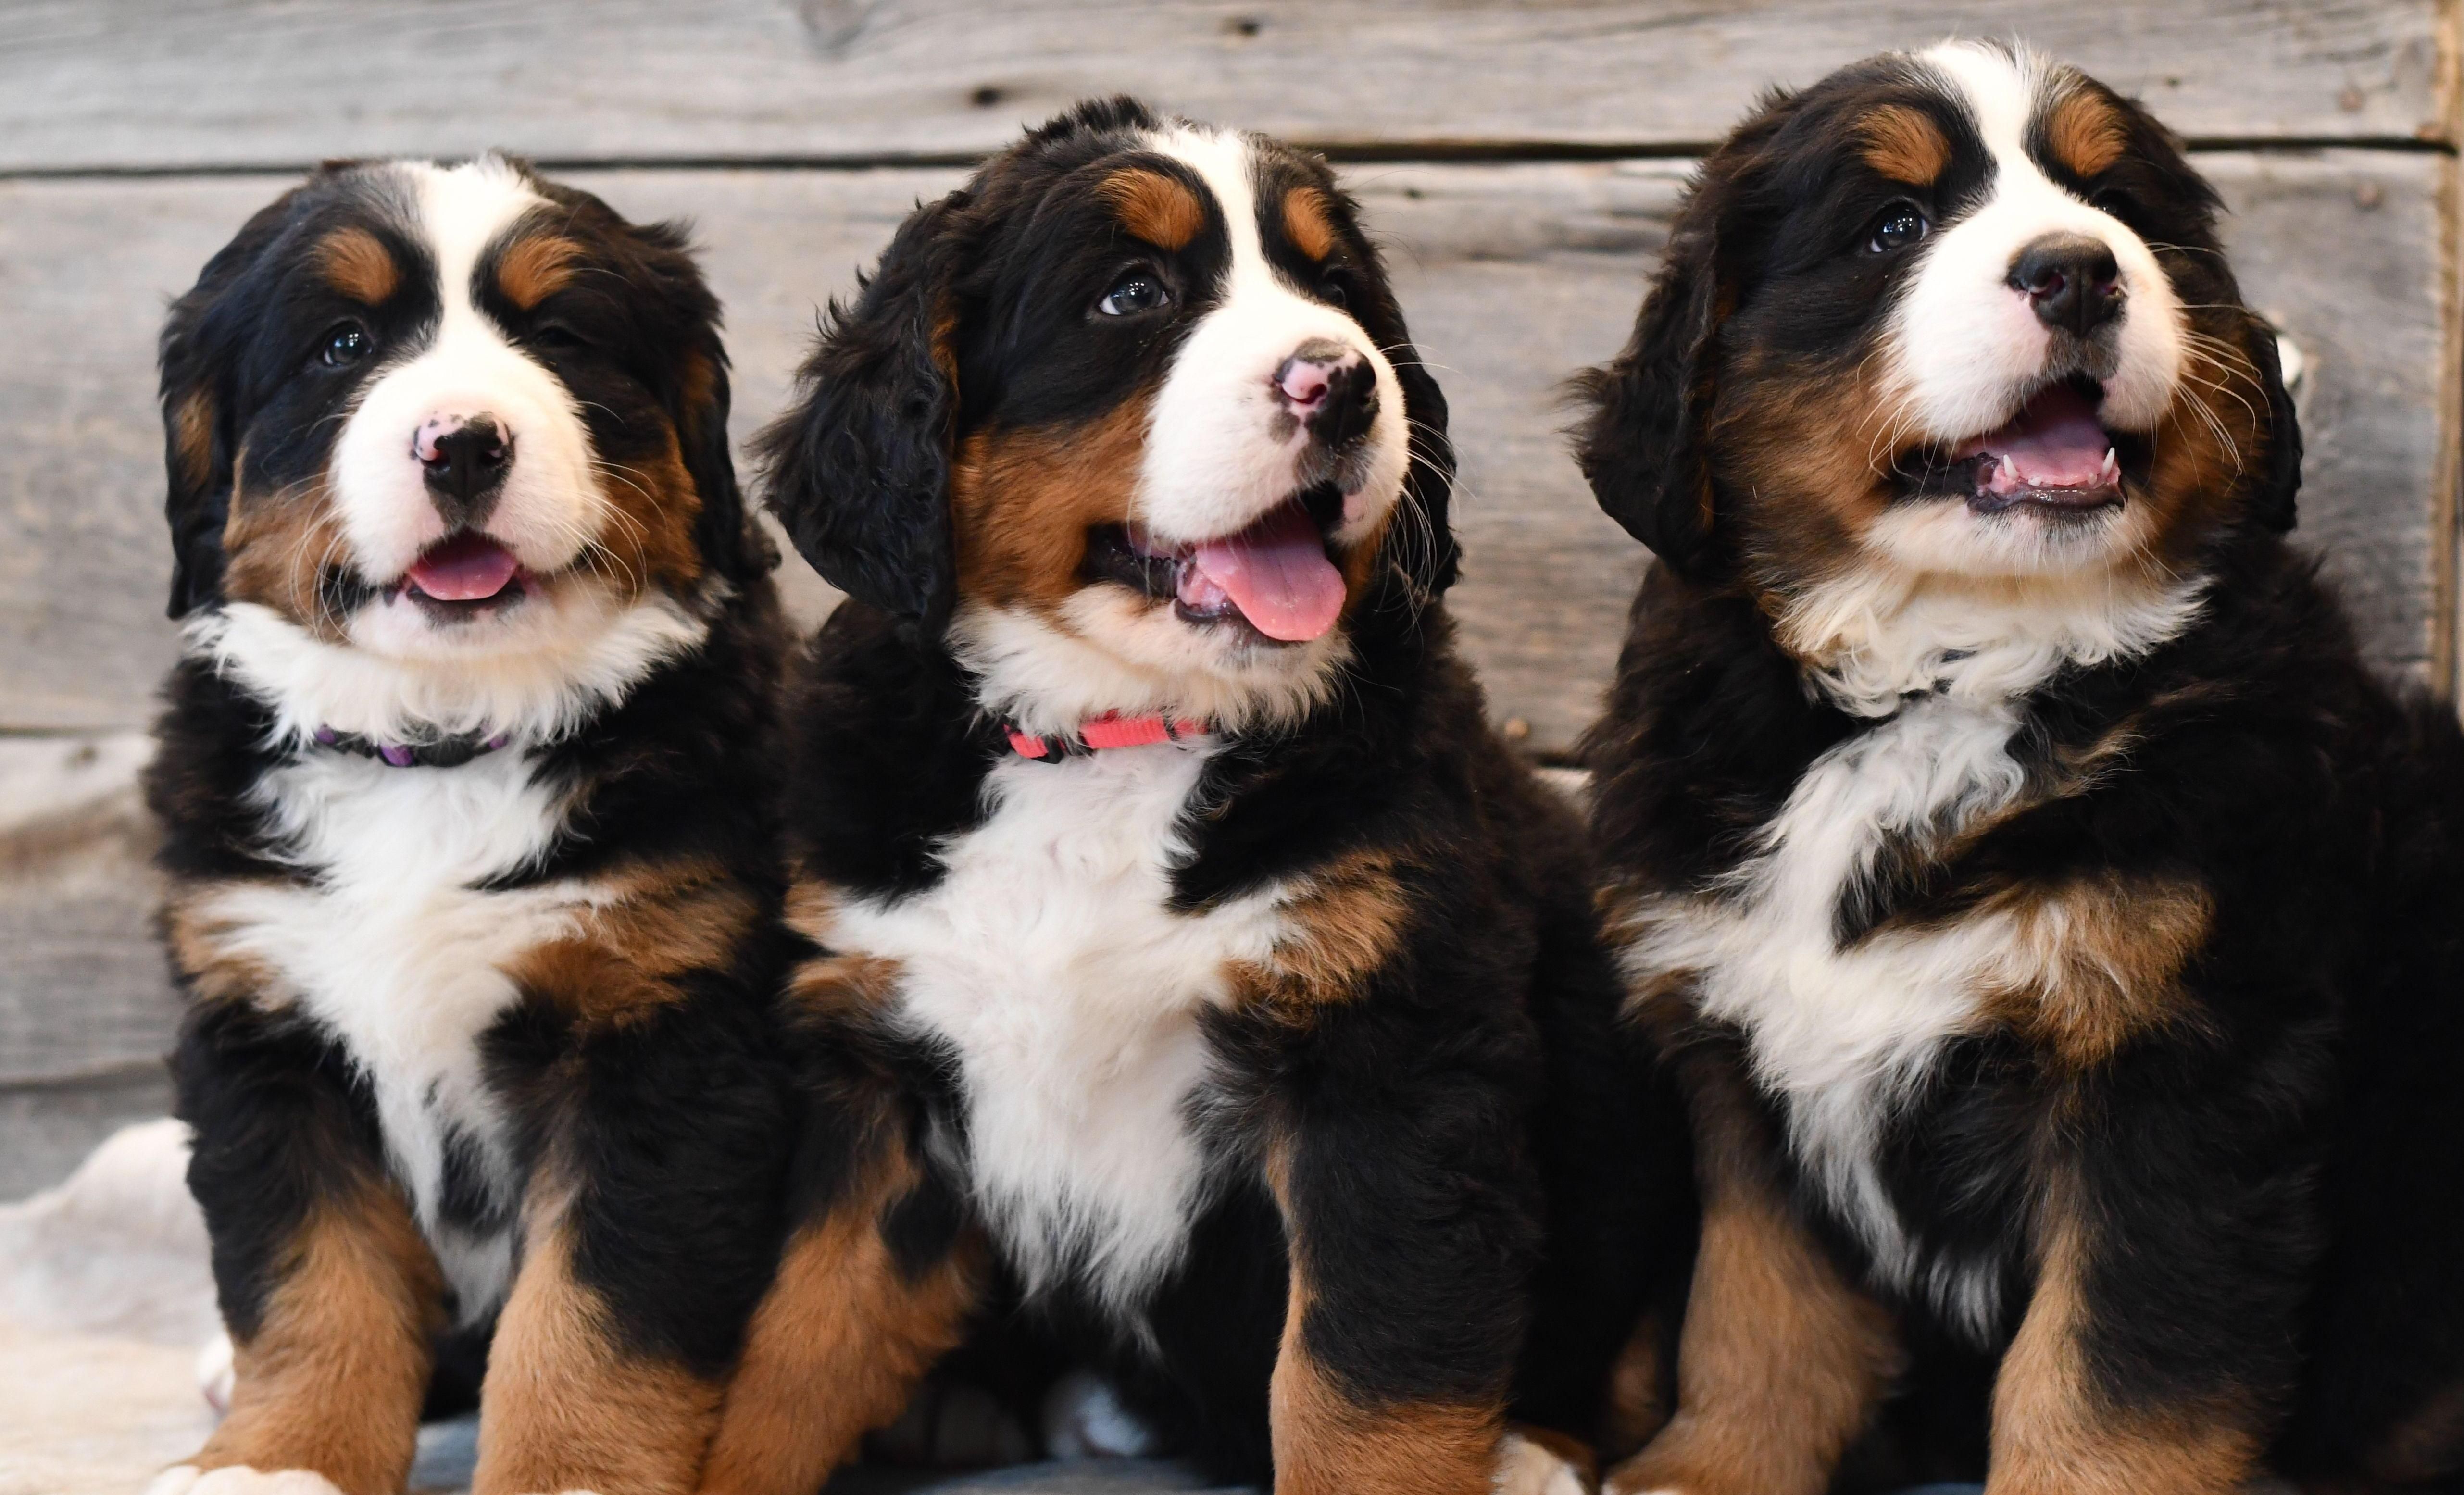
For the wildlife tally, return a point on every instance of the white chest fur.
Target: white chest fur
(1049, 962)
(395, 952)
(1843, 1034)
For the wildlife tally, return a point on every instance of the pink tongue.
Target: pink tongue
(2053, 442)
(1277, 573)
(465, 569)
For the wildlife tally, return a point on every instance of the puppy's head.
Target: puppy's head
(1961, 312)
(1134, 417)
(440, 413)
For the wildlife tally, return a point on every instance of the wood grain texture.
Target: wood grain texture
(1513, 275)
(149, 83)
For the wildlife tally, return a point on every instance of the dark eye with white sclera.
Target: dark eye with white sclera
(1138, 291)
(344, 345)
(1900, 226)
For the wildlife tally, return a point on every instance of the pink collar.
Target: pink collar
(1110, 730)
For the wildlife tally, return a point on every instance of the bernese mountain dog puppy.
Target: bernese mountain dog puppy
(462, 787)
(1197, 974)
(2053, 923)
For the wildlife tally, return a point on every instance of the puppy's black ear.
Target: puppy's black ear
(1424, 536)
(2278, 478)
(199, 347)
(1641, 447)
(698, 402)
(858, 469)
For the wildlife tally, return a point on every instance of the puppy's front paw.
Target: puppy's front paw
(1526, 1466)
(239, 1480)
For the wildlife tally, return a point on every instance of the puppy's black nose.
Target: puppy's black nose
(1332, 389)
(2071, 280)
(465, 460)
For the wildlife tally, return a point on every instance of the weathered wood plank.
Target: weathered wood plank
(1514, 275)
(117, 83)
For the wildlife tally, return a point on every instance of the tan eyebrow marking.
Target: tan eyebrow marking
(357, 263)
(1904, 144)
(535, 268)
(2086, 133)
(1309, 222)
(1157, 209)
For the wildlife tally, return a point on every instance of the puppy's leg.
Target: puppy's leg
(652, 1223)
(331, 1296)
(1411, 1237)
(876, 1287)
(2076, 1414)
(1781, 1362)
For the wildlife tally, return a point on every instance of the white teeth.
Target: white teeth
(2112, 469)
(2011, 472)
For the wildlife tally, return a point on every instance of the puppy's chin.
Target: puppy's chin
(1948, 537)
(1108, 647)
(533, 614)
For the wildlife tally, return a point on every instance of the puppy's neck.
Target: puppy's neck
(586, 662)
(1869, 640)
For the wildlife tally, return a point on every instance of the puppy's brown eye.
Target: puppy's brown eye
(1137, 292)
(1333, 289)
(344, 345)
(1899, 227)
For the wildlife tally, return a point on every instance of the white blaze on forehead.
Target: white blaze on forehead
(549, 508)
(1966, 349)
(1215, 461)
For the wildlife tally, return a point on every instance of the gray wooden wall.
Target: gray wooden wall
(1521, 161)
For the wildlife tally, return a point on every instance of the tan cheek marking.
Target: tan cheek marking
(2207, 445)
(650, 541)
(2055, 1432)
(1328, 1442)
(1021, 503)
(836, 1345)
(333, 1379)
(1904, 145)
(1309, 222)
(1158, 208)
(2106, 956)
(276, 545)
(357, 263)
(1780, 1363)
(2086, 133)
(533, 269)
(193, 437)
(1344, 928)
(1808, 449)
(567, 1407)
(652, 925)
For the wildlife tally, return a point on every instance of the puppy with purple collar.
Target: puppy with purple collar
(462, 776)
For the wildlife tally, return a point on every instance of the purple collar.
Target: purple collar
(443, 753)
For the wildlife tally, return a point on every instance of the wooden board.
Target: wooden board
(1514, 275)
(152, 83)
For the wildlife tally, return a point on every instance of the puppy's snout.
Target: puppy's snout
(2070, 281)
(464, 459)
(1331, 389)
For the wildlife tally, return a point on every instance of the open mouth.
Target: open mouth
(464, 575)
(1275, 578)
(2054, 459)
